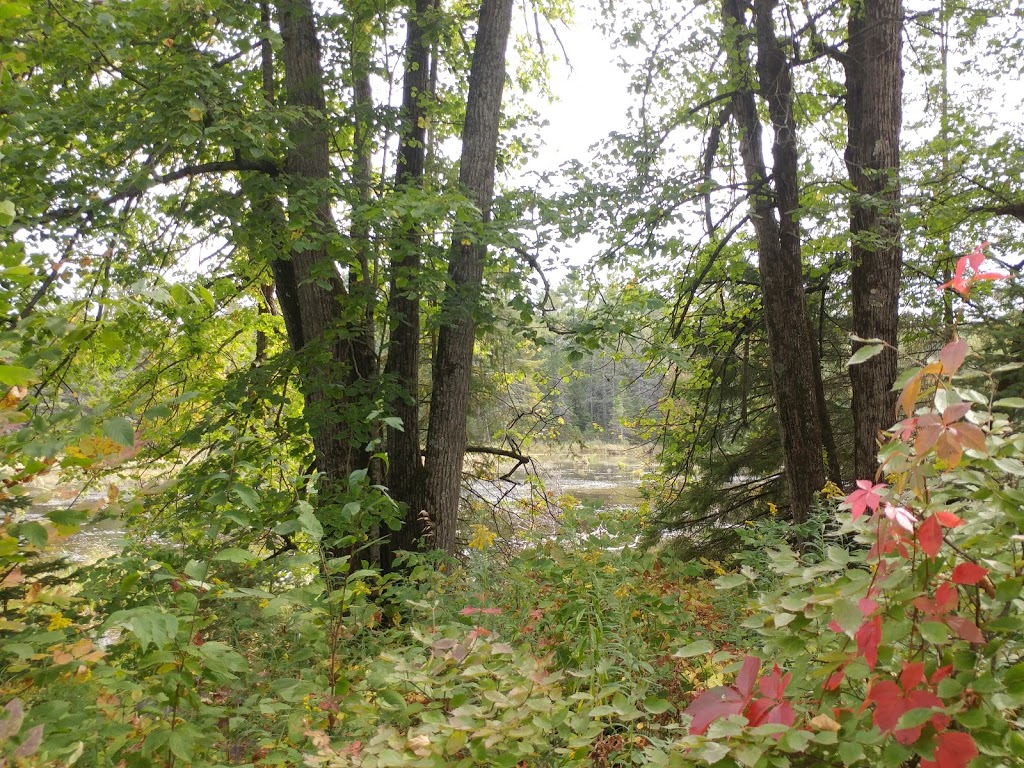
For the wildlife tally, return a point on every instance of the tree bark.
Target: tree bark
(324, 323)
(405, 467)
(452, 368)
(874, 93)
(778, 244)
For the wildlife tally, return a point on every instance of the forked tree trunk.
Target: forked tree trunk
(874, 94)
(323, 321)
(778, 246)
(453, 362)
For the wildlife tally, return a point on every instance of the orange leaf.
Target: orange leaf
(910, 394)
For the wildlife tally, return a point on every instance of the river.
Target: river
(604, 479)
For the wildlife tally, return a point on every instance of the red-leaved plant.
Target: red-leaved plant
(920, 614)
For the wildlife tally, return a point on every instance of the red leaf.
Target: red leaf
(955, 412)
(868, 637)
(954, 353)
(946, 598)
(713, 704)
(774, 685)
(966, 629)
(889, 704)
(969, 573)
(971, 436)
(867, 606)
(929, 536)
(748, 676)
(912, 675)
(835, 680)
(977, 256)
(925, 605)
(948, 519)
(954, 750)
(927, 435)
(941, 674)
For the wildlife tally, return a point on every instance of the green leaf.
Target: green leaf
(851, 752)
(847, 615)
(235, 555)
(394, 422)
(1009, 402)
(246, 495)
(1010, 465)
(7, 209)
(656, 706)
(33, 532)
(120, 430)
(731, 580)
(310, 525)
(149, 626)
(391, 699)
(16, 376)
(695, 648)
(865, 353)
(934, 632)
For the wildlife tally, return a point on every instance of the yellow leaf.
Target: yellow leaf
(195, 114)
(482, 538)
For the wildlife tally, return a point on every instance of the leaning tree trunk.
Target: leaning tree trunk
(778, 246)
(452, 369)
(405, 466)
(324, 324)
(874, 93)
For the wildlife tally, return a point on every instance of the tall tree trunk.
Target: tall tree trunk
(874, 85)
(778, 245)
(405, 467)
(324, 323)
(453, 363)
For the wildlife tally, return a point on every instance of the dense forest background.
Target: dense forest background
(295, 300)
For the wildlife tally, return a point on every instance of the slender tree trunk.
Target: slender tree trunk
(324, 323)
(778, 245)
(452, 369)
(874, 84)
(405, 467)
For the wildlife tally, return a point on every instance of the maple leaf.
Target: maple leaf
(865, 497)
(954, 750)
